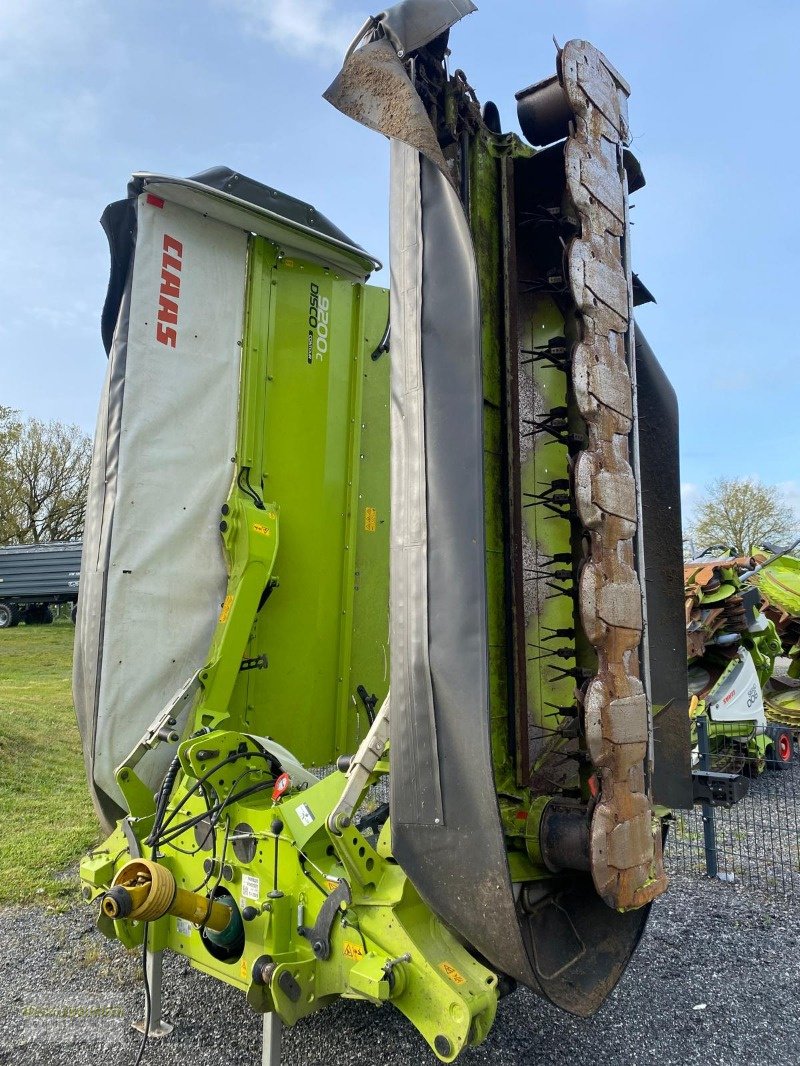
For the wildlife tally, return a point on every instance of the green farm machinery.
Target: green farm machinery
(380, 660)
(741, 615)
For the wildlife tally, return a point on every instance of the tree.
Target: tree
(742, 514)
(44, 476)
(10, 427)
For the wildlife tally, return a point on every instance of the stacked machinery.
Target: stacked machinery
(247, 603)
(741, 614)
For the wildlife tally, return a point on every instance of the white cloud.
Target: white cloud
(690, 494)
(790, 490)
(36, 30)
(70, 124)
(299, 27)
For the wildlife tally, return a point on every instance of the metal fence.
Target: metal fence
(755, 842)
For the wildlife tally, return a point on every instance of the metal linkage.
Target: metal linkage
(360, 768)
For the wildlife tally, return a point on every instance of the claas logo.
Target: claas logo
(170, 291)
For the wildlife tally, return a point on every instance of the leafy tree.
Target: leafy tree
(742, 514)
(44, 475)
(10, 426)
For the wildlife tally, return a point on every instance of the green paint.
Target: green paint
(313, 452)
(307, 518)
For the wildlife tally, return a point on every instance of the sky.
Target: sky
(93, 90)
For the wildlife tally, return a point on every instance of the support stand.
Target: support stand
(707, 809)
(153, 969)
(271, 1049)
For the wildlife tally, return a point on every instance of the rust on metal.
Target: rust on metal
(374, 89)
(624, 839)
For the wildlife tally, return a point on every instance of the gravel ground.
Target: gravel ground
(715, 980)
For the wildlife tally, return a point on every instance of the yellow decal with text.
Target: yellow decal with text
(258, 528)
(452, 973)
(370, 519)
(243, 969)
(352, 951)
(226, 608)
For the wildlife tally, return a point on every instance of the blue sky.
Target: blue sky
(91, 90)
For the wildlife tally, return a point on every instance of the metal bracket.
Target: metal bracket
(719, 789)
(370, 702)
(320, 935)
(162, 728)
(259, 662)
(363, 763)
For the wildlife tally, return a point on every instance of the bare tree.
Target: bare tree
(44, 475)
(742, 514)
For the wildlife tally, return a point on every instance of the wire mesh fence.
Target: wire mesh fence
(755, 842)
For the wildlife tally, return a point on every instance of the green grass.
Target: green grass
(46, 816)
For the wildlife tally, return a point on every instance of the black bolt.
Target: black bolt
(223, 526)
(263, 969)
(443, 1046)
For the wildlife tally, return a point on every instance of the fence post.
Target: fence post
(709, 833)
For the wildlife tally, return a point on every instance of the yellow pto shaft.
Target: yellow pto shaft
(143, 891)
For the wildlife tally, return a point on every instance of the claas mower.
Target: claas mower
(380, 663)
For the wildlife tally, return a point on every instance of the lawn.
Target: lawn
(46, 816)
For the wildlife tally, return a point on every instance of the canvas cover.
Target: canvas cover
(153, 573)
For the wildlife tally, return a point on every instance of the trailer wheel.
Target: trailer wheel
(7, 616)
(781, 753)
(73, 613)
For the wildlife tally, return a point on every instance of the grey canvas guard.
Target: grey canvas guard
(446, 829)
(413, 24)
(97, 543)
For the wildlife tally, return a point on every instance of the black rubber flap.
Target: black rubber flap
(253, 192)
(659, 463)
(119, 225)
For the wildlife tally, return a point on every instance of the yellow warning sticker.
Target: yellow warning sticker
(452, 973)
(370, 519)
(226, 609)
(352, 951)
(258, 528)
(243, 969)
